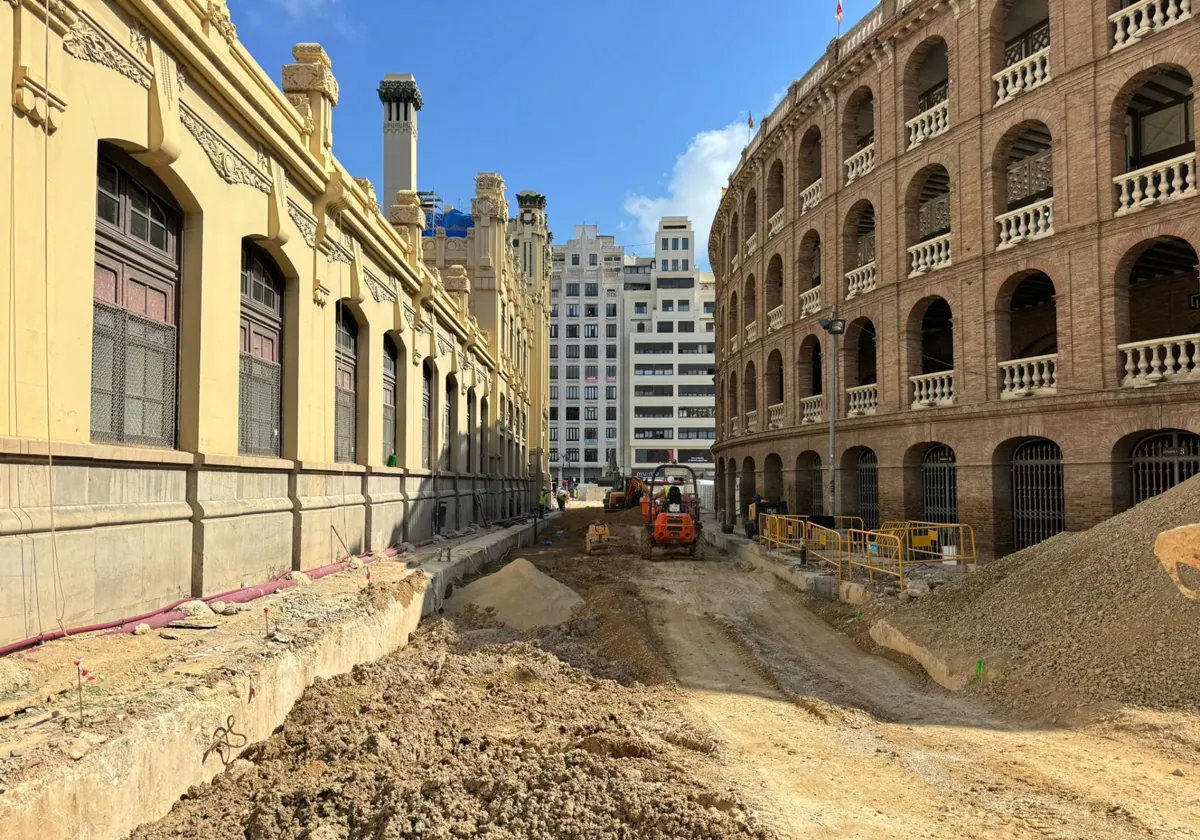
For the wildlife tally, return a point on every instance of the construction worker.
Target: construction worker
(543, 499)
(752, 517)
(562, 498)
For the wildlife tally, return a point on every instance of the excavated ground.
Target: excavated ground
(683, 699)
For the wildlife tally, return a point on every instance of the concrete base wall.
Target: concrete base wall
(132, 536)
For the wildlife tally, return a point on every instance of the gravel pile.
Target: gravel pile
(1082, 618)
(448, 740)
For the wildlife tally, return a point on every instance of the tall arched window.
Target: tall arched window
(345, 418)
(471, 431)
(427, 416)
(448, 437)
(135, 303)
(391, 359)
(261, 362)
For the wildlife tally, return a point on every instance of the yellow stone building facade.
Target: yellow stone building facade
(269, 370)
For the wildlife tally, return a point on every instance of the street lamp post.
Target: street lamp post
(836, 327)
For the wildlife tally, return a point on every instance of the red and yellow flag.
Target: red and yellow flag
(750, 122)
(839, 11)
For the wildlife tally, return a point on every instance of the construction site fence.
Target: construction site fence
(822, 546)
(780, 532)
(934, 542)
(876, 552)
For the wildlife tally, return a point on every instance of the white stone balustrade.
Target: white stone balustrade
(1143, 19)
(733, 427)
(751, 331)
(929, 124)
(776, 223)
(1161, 361)
(811, 196)
(861, 280)
(733, 343)
(933, 390)
(1167, 181)
(751, 422)
(775, 319)
(812, 409)
(810, 302)
(751, 243)
(929, 255)
(1025, 224)
(860, 164)
(775, 416)
(1035, 376)
(1025, 75)
(863, 400)
(735, 262)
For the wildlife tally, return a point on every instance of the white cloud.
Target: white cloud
(694, 189)
(332, 12)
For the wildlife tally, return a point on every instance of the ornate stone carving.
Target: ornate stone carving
(216, 16)
(410, 314)
(230, 165)
(338, 254)
(311, 72)
(407, 210)
(379, 289)
(366, 186)
(305, 223)
(87, 42)
(401, 90)
(139, 38)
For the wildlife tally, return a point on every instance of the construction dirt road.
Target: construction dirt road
(683, 699)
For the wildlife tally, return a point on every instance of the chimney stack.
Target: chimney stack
(401, 100)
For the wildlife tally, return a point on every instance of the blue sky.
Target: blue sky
(619, 111)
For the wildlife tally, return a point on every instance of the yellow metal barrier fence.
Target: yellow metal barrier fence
(877, 552)
(935, 542)
(824, 546)
(782, 532)
(848, 523)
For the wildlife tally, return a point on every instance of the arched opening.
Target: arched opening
(750, 308)
(775, 196)
(135, 305)
(1027, 335)
(750, 397)
(748, 486)
(928, 217)
(931, 353)
(773, 478)
(391, 399)
(345, 418)
(1020, 47)
(732, 488)
(927, 92)
(1038, 505)
(859, 244)
(734, 416)
(775, 393)
(809, 165)
(733, 329)
(1160, 461)
(1157, 331)
(751, 219)
(260, 364)
(810, 484)
(472, 433)
(858, 131)
(735, 242)
(810, 376)
(485, 436)
(722, 500)
(1023, 185)
(449, 425)
(774, 293)
(1156, 117)
(939, 483)
(428, 376)
(867, 473)
(808, 262)
(861, 368)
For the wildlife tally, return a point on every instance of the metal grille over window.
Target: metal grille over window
(868, 489)
(133, 378)
(1162, 461)
(258, 407)
(1037, 493)
(939, 474)
(344, 424)
(935, 216)
(1030, 177)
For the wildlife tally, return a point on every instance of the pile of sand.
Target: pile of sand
(518, 596)
(1081, 618)
(445, 740)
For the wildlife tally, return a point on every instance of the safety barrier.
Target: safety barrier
(782, 532)
(825, 547)
(878, 553)
(935, 542)
(847, 523)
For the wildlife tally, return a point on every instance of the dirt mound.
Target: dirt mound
(519, 596)
(444, 740)
(1081, 618)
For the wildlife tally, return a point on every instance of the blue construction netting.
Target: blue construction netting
(456, 223)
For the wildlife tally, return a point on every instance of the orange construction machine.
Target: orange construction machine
(672, 515)
(623, 497)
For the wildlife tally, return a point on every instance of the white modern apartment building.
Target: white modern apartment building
(669, 401)
(586, 318)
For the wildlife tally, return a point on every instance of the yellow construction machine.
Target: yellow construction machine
(599, 537)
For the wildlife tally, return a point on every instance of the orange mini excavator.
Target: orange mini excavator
(672, 516)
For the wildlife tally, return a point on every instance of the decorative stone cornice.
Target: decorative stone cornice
(227, 161)
(305, 223)
(312, 72)
(401, 90)
(216, 16)
(88, 42)
(528, 198)
(366, 186)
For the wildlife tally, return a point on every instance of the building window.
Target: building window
(391, 365)
(451, 397)
(697, 434)
(426, 415)
(135, 345)
(610, 393)
(345, 386)
(653, 411)
(639, 308)
(610, 309)
(553, 432)
(697, 390)
(572, 351)
(554, 330)
(653, 370)
(610, 432)
(641, 327)
(610, 330)
(698, 413)
(591, 373)
(591, 310)
(572, 455)
(653, 434)
(573, 431)
(685, 243)
(591, 392)
(710, 306)
(708, 326)
(591, 289)
(260, 365)
(590, 331)
(590, 434)
(591, 351)
(591, 456)
(668, 306)
(685, 306)
(664, 265)
(573, 412)
(687, 326)
(592, 259)
(683, 264)
(553, 351)
(554, 454)
(589, 413)
(573, 291)
(610, 351)
(574, 259)
(554, 371)
(572, 331)
(664, 243)
(654, 390)
(665, 326)
(573, 372)
(554, 311)
(553, 392)
(572, 311)
(674, 265)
